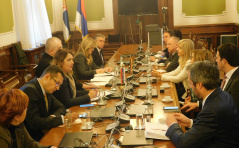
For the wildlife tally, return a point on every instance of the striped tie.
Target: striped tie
(223, 82)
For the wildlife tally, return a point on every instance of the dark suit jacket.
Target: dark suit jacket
(216, 126)
(65, 94)
(43, 64)
(173, 59)
(83, 71)
(166, 53)
(97, 58)
(232, 86)
(37, 118)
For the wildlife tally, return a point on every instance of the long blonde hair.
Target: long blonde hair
(84, 47)
(202, 55)
(187, 46)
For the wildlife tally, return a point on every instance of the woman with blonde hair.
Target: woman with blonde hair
(13, 109)
(84, 67)
(185, 48)
(71, 92)
(202, 55)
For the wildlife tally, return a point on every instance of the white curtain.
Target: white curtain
(32, 22)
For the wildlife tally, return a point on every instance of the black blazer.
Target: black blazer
(216, 126)
(37, 118)
(97, 57)
(232, 86)
(65, 94)
(83, 71)
(43, 64)
(173, 59)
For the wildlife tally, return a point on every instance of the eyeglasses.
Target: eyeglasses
(57, 84)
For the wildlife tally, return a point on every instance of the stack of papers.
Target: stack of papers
(156, 131)
(102, 79)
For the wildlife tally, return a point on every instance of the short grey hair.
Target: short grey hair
(52, 43)
(205, 72)
(99, 35)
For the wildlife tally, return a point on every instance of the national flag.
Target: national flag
(81, 22)
(66, 26)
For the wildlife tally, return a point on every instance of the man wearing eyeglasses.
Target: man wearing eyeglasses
(44, 110)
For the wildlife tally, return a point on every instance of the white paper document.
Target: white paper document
(161, 70)
(104, 74)
(156, 131)
(102, 79)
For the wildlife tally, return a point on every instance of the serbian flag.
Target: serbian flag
(66, 26)
(81, 23)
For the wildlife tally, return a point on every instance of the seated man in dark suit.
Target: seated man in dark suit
(217, 124)
(51, 47)
(172, 62)
(44, 110)
(97, 53)
(227, 61)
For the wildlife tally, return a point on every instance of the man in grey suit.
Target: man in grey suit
(217, 125)
(227, 61)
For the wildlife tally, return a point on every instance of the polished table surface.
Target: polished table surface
(54, 136)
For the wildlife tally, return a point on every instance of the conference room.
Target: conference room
(130, 100)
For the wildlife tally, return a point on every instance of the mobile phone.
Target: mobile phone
(86, 105)
(171, 109)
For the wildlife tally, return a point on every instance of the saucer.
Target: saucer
(167, 100)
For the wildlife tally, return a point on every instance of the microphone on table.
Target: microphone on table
(135, 83)
(109, 142)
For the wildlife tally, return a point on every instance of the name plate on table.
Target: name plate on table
(142, 80)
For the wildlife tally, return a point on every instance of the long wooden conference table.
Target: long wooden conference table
(55, 135)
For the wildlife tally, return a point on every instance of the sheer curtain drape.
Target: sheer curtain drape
(32, 22)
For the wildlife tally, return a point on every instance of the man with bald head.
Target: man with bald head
(51, 47)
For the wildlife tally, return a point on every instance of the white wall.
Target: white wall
(106, 23)
(229, 16)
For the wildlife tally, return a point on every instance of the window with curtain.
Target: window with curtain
(32, 22)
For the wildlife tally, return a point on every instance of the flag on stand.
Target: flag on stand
(66, 26)
(81, 23)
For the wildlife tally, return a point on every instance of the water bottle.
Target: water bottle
(68, 119)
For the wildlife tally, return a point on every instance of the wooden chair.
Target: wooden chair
(113, 38)
(11, 73)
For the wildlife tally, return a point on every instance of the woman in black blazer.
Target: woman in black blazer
(71, 92)
(84, 67)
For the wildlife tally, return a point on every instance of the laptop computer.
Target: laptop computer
(142, 93)
(140, 109)
(76, 140)
(142, 80)
(103, 112)
(135, 137)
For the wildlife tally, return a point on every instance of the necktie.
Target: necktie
(46, 102)
(223, 81)
(101, 55)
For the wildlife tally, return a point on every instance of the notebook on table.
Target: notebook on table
(103, 112)
(76, 140)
